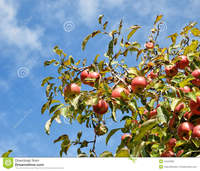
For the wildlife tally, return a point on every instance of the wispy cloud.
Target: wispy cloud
(12, 33)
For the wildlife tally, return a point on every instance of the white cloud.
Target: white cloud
(12, 33)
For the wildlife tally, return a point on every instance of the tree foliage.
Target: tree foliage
(153, 109)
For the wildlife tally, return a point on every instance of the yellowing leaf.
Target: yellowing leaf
(85, 41)
(100, 18)
(158, 18)
(133, 30)
(173, 37)
(195, 32)
(105, 25)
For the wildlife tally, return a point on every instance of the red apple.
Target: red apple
(168, 153)
(172, 122)
(171, 70)
(149, 45)
(185, 89)
(171, 143)
(195, 106)
(116, 93)
(92, 75)
(95, 76)
(196, 132)
(179, 153)
(184, 62)
(179, 107)
(101, 107)
(184, 130)
(138, 84)
(188, 115)
(72, 89)
(196, 74)
(153, 113)
(84, 75)
(126, 137)
(152, 75)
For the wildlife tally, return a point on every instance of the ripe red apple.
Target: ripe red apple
(196, 74)
(138, 84)
(172, 122)
(168, 153)
(184, 62)
(126, 137)
(84, 75)
(95, 76)
(179, 153)
(149, 45)
(188, 115)
(196, 132)
(152, 113)
(184, 130)
(92, 75)
(101, 107)
(171, 70)
(116, 93)
(72, 89)
(185, 89)
(100, 129)
(195, 106)
(179, 107)
(152, 75)
(171, 143)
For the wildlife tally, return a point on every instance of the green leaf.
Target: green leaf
(100, 19)
(138, 149)
(192, 96)
(61, 138)
(110, 48)
(56, 107)
(95, 59)
(114, 113)
(49, 88)
(75, 101)
(46, 80)
(195, 32)
(105, 25)
(92, 100)
(44, 107)
(106, 154)
(133, 30)
(124, 152)
(160, 115)
(145, 127)
(174, 103)
(111, 133)
(120, 26)
(158, 18)
(46, 63)
(6, 154)
(173, 37)
(79, 135)
(48, 125)
(85, 41)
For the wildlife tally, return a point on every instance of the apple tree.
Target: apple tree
(158, 100)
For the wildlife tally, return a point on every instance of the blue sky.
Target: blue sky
(28, 32)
